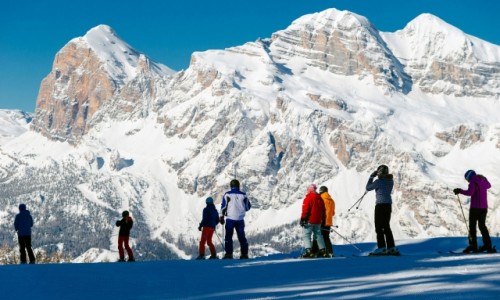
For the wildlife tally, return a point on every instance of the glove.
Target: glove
(221, 220)
(199, 228)
(374, 174)
(303, 222)
(456, 191)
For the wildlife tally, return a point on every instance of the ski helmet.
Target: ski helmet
(209, 200)
(469, 174)
(22, 207)
(234, 183)
(323, 189)
(383, 170)
(125, 213)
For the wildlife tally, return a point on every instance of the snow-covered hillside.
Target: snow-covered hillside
(326, 100)
(422, 273)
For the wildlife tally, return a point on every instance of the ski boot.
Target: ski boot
(470, 249)
(487, 249)
(323, 254)
(379, 252)
(228, 256)
(393, 251)
(308, 254)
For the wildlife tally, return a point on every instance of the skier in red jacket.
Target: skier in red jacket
(313, 215)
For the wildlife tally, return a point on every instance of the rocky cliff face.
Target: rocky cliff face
(87, 73)
(441, 59)
(343, 43)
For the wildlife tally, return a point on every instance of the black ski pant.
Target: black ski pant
(477, 217)
(383, 227)
(25, 244)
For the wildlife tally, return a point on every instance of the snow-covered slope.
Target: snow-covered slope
(326, 100)
(421, 273)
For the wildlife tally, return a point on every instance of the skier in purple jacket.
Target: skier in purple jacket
(477, 190)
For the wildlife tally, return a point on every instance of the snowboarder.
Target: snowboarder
(313, 215)
(22, 224)
(234, 206)
(209, 221)
(383, 207)
(478, 191)
(125, 225)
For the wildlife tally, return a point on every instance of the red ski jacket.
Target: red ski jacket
(313, 209)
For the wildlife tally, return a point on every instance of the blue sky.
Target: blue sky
(31, 32)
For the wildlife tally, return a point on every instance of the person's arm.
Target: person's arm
(469, 191)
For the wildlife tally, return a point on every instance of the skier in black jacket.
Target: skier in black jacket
(207, 226)
(22, 224)
(125, 225)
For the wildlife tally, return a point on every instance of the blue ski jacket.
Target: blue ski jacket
(210, 216)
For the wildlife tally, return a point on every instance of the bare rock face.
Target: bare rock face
(87, 73)
(343, 43)
(72, 93)
(441, 59)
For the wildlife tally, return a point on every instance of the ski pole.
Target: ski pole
(463, 214)
(358, 202)
(347, 240)
(219, 240)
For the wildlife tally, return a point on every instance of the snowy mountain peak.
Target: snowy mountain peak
(334, 17)
(119, 57)
(343, 43)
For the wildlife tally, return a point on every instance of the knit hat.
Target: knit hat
(22, 206)
(311, 188)
(323, 189)
(469, 174)
(209, 200)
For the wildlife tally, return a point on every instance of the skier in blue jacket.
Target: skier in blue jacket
(22, 224)
(234, 206)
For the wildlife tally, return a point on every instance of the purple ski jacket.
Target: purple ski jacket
(478, 188)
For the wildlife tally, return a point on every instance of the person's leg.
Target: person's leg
(209, 234)
(484, 230)
(228, 239)
(473, 218)
(22, 248)
(203, 241)
(306, 236)
(379, 226)
(240, 232)
(386, 219)
(325, 232)
(129, 250)
(120, 247)
(31, 255)
(318, 236)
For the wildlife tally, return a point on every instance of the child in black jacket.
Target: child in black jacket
(125, 225)
(207, 228)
